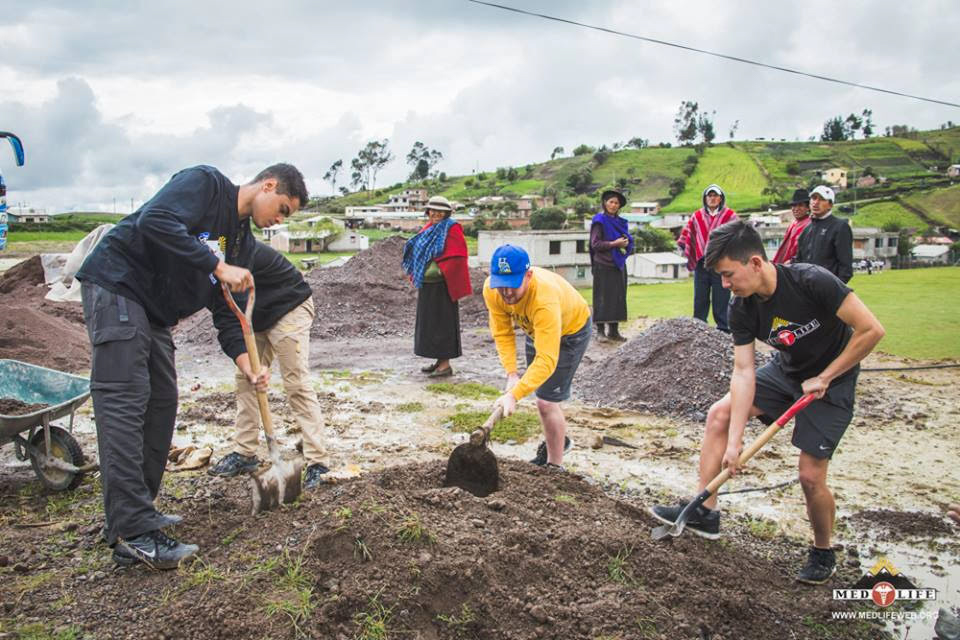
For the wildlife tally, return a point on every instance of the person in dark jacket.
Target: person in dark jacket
(610, 244)
(158, 265)
(283, 313)
(436, 261)
(828, 240)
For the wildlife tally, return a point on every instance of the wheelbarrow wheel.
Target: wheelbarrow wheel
(64, 447)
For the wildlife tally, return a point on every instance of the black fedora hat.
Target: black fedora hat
(614, 193)
(800, 196)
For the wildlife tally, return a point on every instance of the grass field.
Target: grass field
(940, 204)
(736, 173)
(877, 214)
(45, 236)
(931, 332)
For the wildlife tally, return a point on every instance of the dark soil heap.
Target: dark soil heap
(367, 297)
(38, 331)
(678, 366)
(393, 555)
(14, 407)
(370, 296)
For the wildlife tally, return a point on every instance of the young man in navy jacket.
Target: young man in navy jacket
(156, 267)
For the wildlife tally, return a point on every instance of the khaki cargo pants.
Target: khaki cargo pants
(289, 342)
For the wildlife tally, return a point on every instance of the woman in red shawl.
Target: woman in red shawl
(436, 261)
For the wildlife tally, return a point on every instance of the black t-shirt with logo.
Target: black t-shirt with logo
(799, 320)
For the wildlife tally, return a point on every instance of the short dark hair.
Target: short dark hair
(735, 240)
(289, 181)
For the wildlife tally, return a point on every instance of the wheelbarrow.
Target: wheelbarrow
(55, 455)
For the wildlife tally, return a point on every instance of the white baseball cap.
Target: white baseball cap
(824, 192)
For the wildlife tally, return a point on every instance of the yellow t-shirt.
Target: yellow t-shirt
(550, 309)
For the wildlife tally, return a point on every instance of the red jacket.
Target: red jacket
(788, 248)
(453, 263)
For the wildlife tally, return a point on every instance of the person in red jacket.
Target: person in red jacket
(800, 207)
(436, 261)
(693, 244)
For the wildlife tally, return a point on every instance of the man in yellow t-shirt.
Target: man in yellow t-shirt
(556, 320)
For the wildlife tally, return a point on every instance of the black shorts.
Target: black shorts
(818, 428)
(556, 388)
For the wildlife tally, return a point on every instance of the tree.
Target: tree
(834, 130)
(331, 175)
(867, 123)
(649, 239)
(581, 180)
(601, 155)
(344, 191)
(422, 158)
(676, 186)
(583, 206)
(548, 218)
(557, 151)
(851, 125)
(512, 174)
(583, 150)
(638, 143)
(705, 127)
(622, 184)
(733, 128)
(369, 161)
(685, 122)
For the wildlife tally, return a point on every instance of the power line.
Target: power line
(712, 53)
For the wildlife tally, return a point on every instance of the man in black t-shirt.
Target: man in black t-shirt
(821, 331)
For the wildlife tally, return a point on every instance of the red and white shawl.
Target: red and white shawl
(788, 248)
(693, 238)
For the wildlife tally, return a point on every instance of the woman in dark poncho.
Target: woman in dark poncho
(436, 261)
(610, 244)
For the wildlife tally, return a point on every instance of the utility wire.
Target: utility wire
(711, 53)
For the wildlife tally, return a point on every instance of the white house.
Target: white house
(930, 253)
(953, 171)
(837, 176)
(300, 241)
(645, 207)
(349, 241)
(566, 252)
(657, 266)
(269, 232)
(364, 212)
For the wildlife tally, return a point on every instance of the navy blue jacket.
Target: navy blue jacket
(158, 255)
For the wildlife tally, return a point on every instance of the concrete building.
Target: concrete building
(300, 241)
(31, 216)
(873, 244)
(407, 200)
(953, 171)
(270, 232)
(836, 176)
(348, 240)
(931, 253)
(652, 208)
(655, 267)
(565, 252)
(364, 212)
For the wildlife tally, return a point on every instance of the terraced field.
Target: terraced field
(734, 170)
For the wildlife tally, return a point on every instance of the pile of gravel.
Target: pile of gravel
(678, 366)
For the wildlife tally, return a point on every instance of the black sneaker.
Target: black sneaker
(821, 564)
(166, 520)
(541, 458)
(314, 476)
(155, 549)
(703, 522)
(233, 464)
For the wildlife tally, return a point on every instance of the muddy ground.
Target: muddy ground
(383, 552)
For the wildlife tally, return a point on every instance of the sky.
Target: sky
(113, 97)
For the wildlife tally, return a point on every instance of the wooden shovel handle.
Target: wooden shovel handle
(245, 317)
(480, 436)
(761, 440)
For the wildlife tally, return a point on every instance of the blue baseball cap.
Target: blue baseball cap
(508, 266)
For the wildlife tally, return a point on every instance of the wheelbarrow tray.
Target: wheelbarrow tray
(32, 384)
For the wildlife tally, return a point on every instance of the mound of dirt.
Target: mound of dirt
(678, 366)
(14, 407)
(394, 555)
(370, 296)
(38, 331)
(905, 524)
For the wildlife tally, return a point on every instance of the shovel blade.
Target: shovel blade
(664, 530)
(280, 484)
(473, 468)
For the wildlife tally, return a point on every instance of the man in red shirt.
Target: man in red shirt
(800, 207)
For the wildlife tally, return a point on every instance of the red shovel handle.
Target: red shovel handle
(794, 409)
(246, 315)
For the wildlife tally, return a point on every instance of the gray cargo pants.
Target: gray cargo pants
(133, 383)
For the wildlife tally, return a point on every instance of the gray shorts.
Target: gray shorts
(818, 428)
(556, 388)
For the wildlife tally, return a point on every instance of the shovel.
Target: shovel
(281, 482)
(677, 527)
(472, 466)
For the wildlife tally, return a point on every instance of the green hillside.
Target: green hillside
(755, 174)
(880, 214)
(735, 172)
